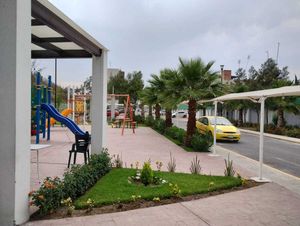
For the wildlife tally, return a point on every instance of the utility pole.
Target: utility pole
(278, 44)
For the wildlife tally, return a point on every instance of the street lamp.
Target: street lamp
(222, 77)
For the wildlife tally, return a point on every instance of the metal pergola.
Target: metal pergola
(54, 35)
(257, 97)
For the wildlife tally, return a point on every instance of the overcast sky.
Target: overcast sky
(149, 35)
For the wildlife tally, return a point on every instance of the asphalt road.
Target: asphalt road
(282, 155)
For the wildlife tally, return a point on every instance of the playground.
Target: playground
(40, 142)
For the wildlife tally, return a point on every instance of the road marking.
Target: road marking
(283, 160)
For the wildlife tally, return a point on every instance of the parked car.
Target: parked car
(108, 113)
(162, 112)
(180, 114)
(224, 128)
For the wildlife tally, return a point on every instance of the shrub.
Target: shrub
(90, 203)
(176, 133)
(49, 196)
(201, 142)
(81, 178)
(147, 174)
(171, 164)
(175, 191)
(159, 125)
(195, 166)
(75, 183)
(181, 134)
(229, 171)
(139, 119)
(117, 161)
(293, 133)
(68, 203)
(149, 121)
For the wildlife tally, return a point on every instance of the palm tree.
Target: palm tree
(149, 96)
(157, 84)
(169, 97)
(196, 81)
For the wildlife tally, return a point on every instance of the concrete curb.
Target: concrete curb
(278, 137)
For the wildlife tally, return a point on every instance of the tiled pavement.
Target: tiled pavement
(269, 204)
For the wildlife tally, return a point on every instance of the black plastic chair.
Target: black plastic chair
(81, 145)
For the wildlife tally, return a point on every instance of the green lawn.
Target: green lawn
(114, 187)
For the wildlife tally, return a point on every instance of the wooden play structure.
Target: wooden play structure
(127, 117)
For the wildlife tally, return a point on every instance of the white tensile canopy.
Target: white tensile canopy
(259, 97)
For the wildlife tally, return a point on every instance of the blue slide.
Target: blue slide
(51, 110)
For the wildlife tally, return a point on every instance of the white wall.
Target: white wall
(15, 62)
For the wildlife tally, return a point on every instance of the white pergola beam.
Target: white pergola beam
(15, 62)
(99, 103)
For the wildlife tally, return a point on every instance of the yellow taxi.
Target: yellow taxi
(225, 130)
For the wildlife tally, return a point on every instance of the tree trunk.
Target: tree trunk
(191, 125)
(169, 118)
(204, 111)
(157, 111)
(150, 110)
(240, 121)
(280, 118)
(258, 117)
(142, 111)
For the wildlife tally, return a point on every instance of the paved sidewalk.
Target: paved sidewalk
(268, 204)
(148, 144)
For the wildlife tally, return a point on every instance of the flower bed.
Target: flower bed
(75, 183)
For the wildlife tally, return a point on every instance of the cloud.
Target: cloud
(150, 35)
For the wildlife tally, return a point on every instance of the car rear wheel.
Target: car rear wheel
(210, 139)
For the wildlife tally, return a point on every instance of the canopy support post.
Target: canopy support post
(261, 142)
(214, 153)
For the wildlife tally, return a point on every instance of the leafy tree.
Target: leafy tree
(238, 86)
(135, 85)
(268, 76)
(117, 84)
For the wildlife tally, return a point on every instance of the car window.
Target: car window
(205, 121)
(220, 121)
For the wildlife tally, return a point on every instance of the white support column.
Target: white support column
(261, 142)
(99, 102)
(215, 130)
(15, 63)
